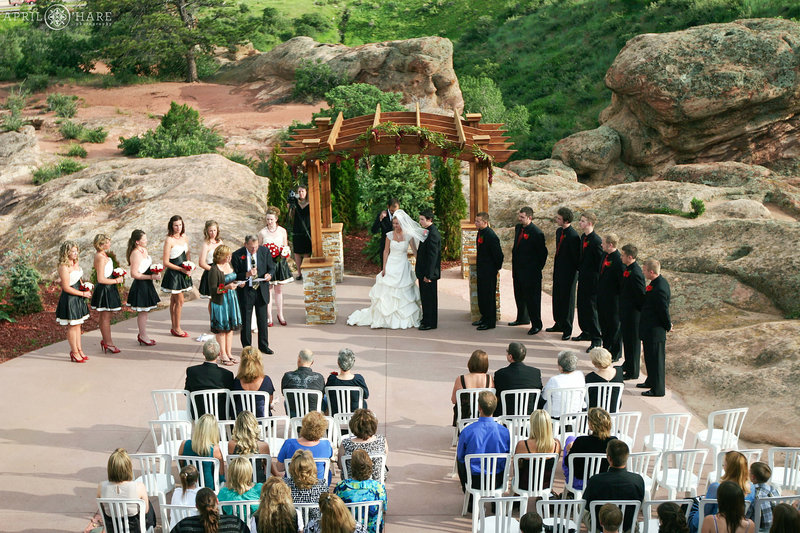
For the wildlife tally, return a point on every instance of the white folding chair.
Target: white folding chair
(378, 463)
(172, 514)
(361, 511)
(171, 404)
(274, 431)
(343, 421)
(535, 466)
(625, 426)
(168, 434)
(199, 463)
(561, 515)
(210, 401)
(629, 508)
(225, 435)
(240, 508)
(650, 523)
(773, 500)
(681, 471)
(667, 431)
(725, 437)
(572, 425)
(247, 400)
(331, 432)
(340, 399)
(155, 472)
(117, 510)
(299, 402)
(785, 465)
(752, 456)
(605, 395)
(647, 465)
(520, 402)
(466, 398)
(324, 463)
(489, 464)
(560, 401)
(592, 463)
(519, 428)
(254, 459)
(503, 520)
(306, 510)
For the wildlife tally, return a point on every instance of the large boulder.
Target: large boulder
(421, 69)
(19, 154)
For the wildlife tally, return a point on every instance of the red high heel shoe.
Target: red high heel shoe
(109, 347)
(176, 334)
(281, 322)
(75, 359)
(151, 343)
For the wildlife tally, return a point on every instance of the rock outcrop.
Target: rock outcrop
(421, 69)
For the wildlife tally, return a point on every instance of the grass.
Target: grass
(74, 130)
(65, 105)
(51, 172)
(76, 150)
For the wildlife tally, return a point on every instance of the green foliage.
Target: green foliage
(76, 150)
(313, 79)
(94, 135)
(181, 133)
(359, 99)
(280, 181)
(64, 105)
(344, 194)
(74, 130)
(312, 24)
(36, 82)
(698, 207)
(481, 95)
(242, 159)
(17, 99)
(12, 121)
(51, 172)
(450, 206)
(23, 278)
(71, 130)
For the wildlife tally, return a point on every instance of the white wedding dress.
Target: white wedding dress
(394, 297)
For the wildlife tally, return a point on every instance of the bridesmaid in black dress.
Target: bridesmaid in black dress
(72, 310)
(301, 228)
(142, 297)
(176, 278)
(105, 298)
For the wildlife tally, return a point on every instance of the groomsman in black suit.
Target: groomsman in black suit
(517, 375)
(609, 284)
(489, 263)
(630, 307)
(428, 270)
(565, 273)
(653, 327)
(588, 274)
(528, 256)
(253, 262)
(383, 223)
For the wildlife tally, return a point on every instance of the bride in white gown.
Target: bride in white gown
(395, 295)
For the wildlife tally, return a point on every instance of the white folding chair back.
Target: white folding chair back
(647, 465)
(561, 515)
(650, 523)
(607, 395)
(667, 431)
(343, 421)
(117, 511)
(519, 428)
(171, 404)
(247, 400)
(378, 462)
(305, 510)
(331, 432)
(520, 402)
(172, 514)
(592, 463)
(559, 401)
(628, 508)
(155, 472)
(255, 459)
(199, 463)
(342, 399)
(503, 520)
(271, 431)
(625, 426)
(324, 463)
(572, 425)
(785, 465)
(489, 464)
(725, 437)
(535, 465)
(300, 402)
(752, 456)
(210, 401)
(466, 409)
(168, 434)
(361, 510)
(225, 435)
(240, 508)
(773, 500)
(681, 471)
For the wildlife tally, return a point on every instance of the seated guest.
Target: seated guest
(251, 377)
(531, 522)
(540, 441)
(187, 492)
(785, 519)
(363, 428)
(596, 442)
(303, 378)
(205, 443)
(239, 485)
(610, 518)
(760, 473)
(244, 441)
(603, 373)
(208, 519)
(209, 376)
(311, 438)
(336, 517)
(483, 436)
(303, 481)
(478, 377)
(614, 484)
(276, 512)
(360, 487)
(736, 471)
(730, 517)
(569, 377)
(517, 375)
(345, 378)
(671, 519)
(120, 484)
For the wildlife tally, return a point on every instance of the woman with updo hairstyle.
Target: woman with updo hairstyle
(730, 516)
(603, 373)
(312, 433)
(671, 519)
(478, 378)
(276, 512)
(211, 239)
(346, 378)
(105, 298)
(72, 310)
(142, 296)
(120, 484)
(251, 377)
(336, 517)
(363, 429)
(360, 487)
(785, 519)
(176, 278)
(226, 316)
(208, 519)
(596, 442)
(244, 441)
(272, 233)
(303, 480)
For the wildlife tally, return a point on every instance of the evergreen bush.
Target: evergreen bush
(280, 181)
(51, 172)
(64, 105)
(23, 278)
(312, 79)
(450, 206)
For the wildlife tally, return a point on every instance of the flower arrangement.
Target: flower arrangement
(277, 252)
(157, 268)
(118, 273)
(221, 289)
(188, 266)
(86, 286)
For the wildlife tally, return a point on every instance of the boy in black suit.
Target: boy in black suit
(565, 273)
(608, 288)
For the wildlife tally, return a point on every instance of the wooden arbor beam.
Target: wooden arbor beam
(314, 200)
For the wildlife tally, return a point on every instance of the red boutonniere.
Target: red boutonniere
(525, 236)
(243, 257)
(626, 274)
(221, 289)
(649, 288)
(585, 244)
(606, 263)
(480, 240)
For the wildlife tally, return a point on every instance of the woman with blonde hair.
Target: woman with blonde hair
(303, 480)
(225, 314)
(603, 373)
(72, 310)
(251, 377)
(312, 433)
(540, 441)
(211, 239)
(176, 276)
(208, 519)
(142, 296)
(244, 441)
(596, 442)
(336, 517)
(239, 484)
(205, 443)
(276, 512)
(105, 298)
(120, 484)
(276, 235)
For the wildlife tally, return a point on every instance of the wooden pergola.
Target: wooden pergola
(397, 132)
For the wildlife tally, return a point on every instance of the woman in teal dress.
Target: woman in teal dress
(225, 315)
(360, 487)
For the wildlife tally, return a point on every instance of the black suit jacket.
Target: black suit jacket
(515, 376)
(609, 281)
(490, 254)
(615, 484)
(591, 257)
(631, 296)
(208, 376)
(429, 255)
(529, 252)
(264, 265)
(568, 255)
(383, 226)
(655, 320)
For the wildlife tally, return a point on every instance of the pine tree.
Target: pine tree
(280, 181)
(450, 207)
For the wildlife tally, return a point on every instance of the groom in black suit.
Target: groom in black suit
(250, 262)
(428, 270)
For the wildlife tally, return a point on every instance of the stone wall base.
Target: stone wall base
(469, 235)
(333, 248)
(319, 290)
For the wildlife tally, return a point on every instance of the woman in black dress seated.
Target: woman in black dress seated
(603, 373)
(345, 378)
(72, 310)
(142, 297)
(105, 298)
(600, 428)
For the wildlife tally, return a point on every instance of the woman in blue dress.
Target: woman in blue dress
(225, 315)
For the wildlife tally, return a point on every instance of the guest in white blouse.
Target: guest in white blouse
(568, 377)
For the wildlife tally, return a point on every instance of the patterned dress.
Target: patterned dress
(354, 491)
(377, 446)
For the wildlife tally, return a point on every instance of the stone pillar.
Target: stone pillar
(469, 235)
(319, 290)
(474, 312)
(333, 248)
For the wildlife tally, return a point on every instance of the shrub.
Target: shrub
(313, 79)
(242, 159)
(23, 278)
(12, 122)
(280, 181)
(76, 150)
(450, 206)
(698, 207)
(37, 82)
(17, 99)
(97, 135)
(71, 130)
(344, 194)
(64, 105)
(51, 172)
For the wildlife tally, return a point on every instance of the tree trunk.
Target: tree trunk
(188, 21)
(191, 66)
